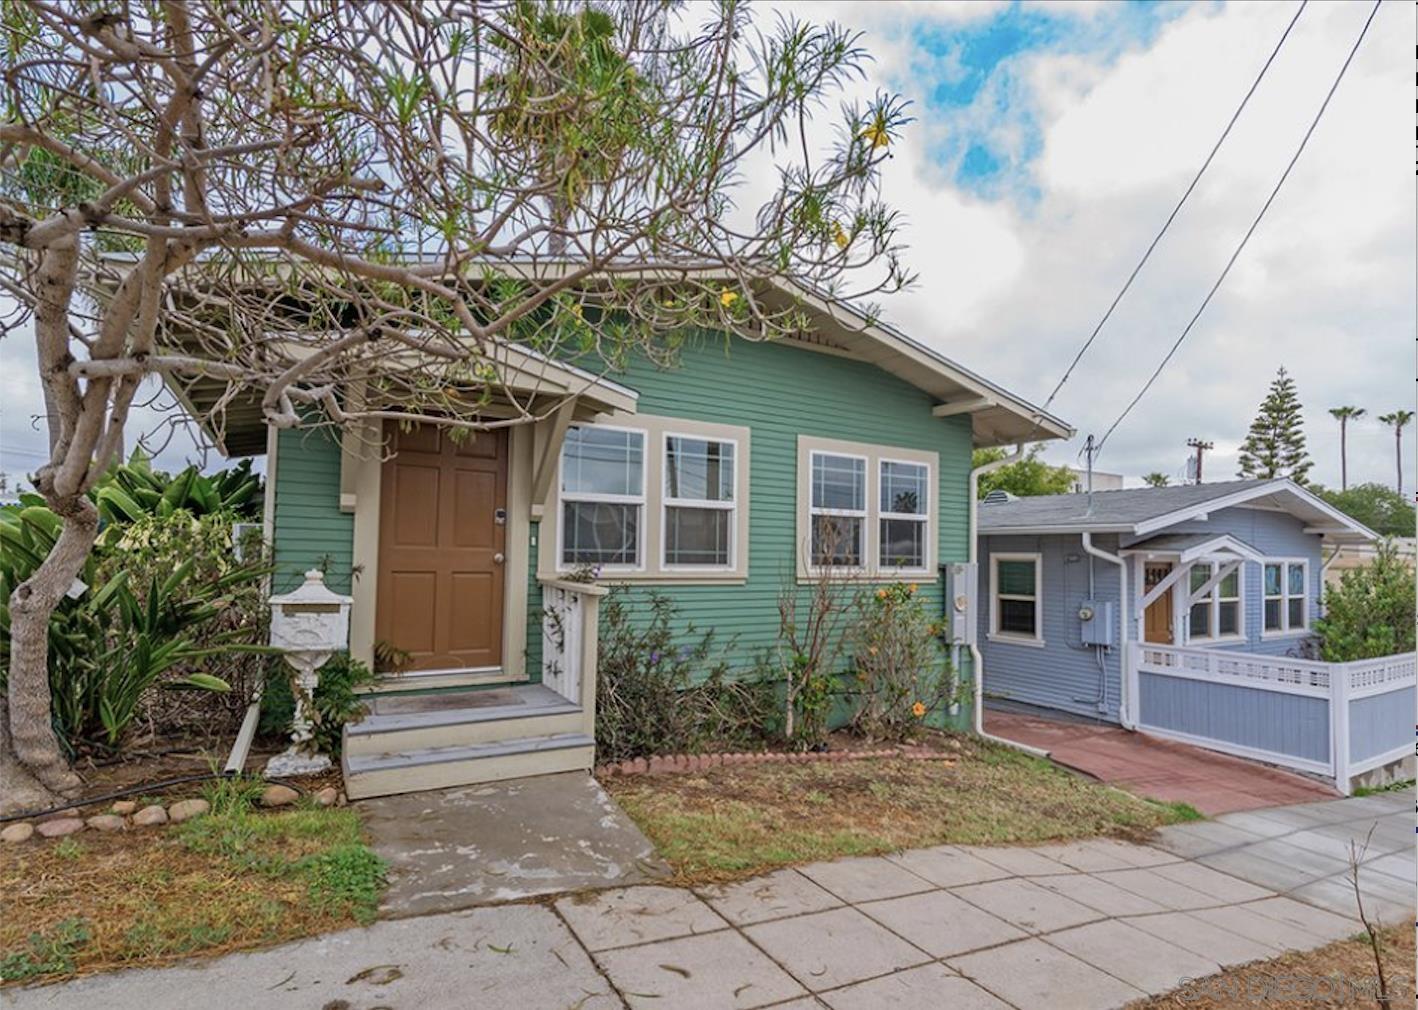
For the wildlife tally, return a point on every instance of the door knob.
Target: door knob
(498, 558)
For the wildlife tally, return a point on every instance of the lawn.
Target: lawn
(232, 879)
(1339, 975)
(738, 821)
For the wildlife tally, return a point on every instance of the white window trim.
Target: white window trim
(667, 503)
(612, 499)
(864, 513)
(923, 518)
(1035, 640)
(1213, 602)
(1285, 630)
(871, 569)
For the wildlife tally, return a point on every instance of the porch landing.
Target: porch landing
(1158, 769)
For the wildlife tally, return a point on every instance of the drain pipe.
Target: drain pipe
(974, 554)
(1125, 653)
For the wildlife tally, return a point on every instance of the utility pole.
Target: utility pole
(1089, 451)
(1200, 446)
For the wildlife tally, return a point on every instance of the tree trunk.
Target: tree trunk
(19, 790)
(1398, 455)
(1343, 459)
(31, 729)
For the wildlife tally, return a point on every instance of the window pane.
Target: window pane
(1228, 618)
(1272, 580)
(1297, 580)
(1200, 626)
(699, 468)
(603, 461)
(839, 482)
(903, 488)
(598, 533)
(837, 540)
(1017, 617)
(1272, 615)
(1230, 587)
(1297, 612)
(1016, 578)
(697, 536)
(1200, 575)
(903, 544)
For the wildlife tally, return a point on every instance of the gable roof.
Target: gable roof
(1144, 510)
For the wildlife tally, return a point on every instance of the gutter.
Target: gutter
(974, 555)
(1125, 691)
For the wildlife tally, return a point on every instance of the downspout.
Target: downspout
(1125, 653)
(977, 660)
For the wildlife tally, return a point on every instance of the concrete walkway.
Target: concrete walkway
(1155, 768)
(1090, 924)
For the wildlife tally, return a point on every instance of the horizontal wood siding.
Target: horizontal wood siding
(1063, 674)
(1289, 724)
(310, 529)
(1379, 723)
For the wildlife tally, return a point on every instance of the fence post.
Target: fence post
(1339, 725)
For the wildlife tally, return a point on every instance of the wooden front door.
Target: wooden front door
(442, 538)
(1157, 619)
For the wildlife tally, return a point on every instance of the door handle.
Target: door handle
(497, 558)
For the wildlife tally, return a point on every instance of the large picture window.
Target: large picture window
(1287, 602)
(602, 496)
(700, 502)
(1016, 604)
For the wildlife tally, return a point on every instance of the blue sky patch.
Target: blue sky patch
(968, 78)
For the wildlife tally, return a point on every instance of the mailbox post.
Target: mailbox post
(307, 625)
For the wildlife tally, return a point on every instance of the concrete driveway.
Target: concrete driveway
(1089, 924)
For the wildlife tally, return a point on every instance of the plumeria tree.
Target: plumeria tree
(348, 213)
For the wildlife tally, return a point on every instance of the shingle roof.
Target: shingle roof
(1110, 509)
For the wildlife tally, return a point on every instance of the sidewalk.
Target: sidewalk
(1087, 925)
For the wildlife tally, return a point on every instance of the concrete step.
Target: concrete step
(442, 767)
(403, 723)
(406, 683)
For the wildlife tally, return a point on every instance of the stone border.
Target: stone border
(672, 763)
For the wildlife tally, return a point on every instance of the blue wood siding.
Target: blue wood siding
(1063, 674)
(1291, 724)
(1380, 723)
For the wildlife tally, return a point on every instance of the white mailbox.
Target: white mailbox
(311, 618)
(307, 625)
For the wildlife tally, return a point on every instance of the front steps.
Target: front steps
(412, 742)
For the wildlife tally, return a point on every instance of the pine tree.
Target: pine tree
(1275, 446)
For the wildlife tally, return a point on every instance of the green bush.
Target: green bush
(1370, 613)
(902, 675)
(337, 700)
(648, 700)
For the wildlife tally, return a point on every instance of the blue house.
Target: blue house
(1187, 612)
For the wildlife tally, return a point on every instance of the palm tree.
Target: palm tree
(1397, 420)
(1344, 415)
(1156, 479)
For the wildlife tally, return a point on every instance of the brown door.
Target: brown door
(442, 534)
(1157, 619)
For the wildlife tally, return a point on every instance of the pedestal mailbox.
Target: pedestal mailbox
(307, 624)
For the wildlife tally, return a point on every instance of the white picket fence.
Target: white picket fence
(1337, 730)
(570, 625)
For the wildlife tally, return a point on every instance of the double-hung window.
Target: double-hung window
(839, 510)
(904, 523)
(1218, 613)
(603, 497)
(1287, 601)
(1016, 597)
(700, 502)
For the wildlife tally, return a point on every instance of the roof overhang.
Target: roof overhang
(1197, 547)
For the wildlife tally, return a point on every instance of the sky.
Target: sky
(1050, 142)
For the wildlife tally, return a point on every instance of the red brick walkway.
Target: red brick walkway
(1159, 769)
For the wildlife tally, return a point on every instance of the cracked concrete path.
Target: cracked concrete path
(1090, 924)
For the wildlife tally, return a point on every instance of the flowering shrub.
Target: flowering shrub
(902, 674)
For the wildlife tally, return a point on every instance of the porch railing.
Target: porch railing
(1338, 720)
(570, 624)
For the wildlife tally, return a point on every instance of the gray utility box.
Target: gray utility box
(962, 600)
(1097, 622)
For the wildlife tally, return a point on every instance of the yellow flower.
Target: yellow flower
(876, 133)
(918, 709)
(727, 298)
(871, 650)
(881, 594)
(912, 588)
(839, 236)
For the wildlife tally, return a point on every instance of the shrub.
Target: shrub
(1370, 612)
(901, 674)
(647, 700)
(337, 700)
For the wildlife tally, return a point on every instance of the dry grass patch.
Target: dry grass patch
(735, 822)
(230, 880)
(1340, 975)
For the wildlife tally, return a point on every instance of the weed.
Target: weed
(69, 848)
(1393, 787)
(48, 952)
(345, 880)
(228, 794)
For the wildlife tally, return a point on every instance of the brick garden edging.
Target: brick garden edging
(671, 763)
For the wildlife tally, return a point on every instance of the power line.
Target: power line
(1172, 216)
(1249, 231)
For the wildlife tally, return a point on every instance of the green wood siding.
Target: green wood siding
(310, 529)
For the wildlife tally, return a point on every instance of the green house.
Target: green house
(716, 483)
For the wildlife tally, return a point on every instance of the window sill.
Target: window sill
(1024, 640)
(1267, 636)
(871, 578)
(1220, 640)
(661, 578)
